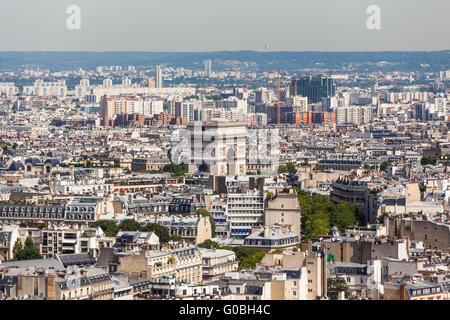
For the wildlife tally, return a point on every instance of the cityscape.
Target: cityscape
(225, 175)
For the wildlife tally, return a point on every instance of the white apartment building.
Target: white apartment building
(41, 88)
(244, 212)
(8, 88)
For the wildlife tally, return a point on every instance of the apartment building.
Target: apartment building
(245, 211)
(284, 210)
(216, 262)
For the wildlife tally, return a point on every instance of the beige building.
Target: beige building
(284, 210)
(216, 262)
(184, 262)
(311, 286)
(75, 284)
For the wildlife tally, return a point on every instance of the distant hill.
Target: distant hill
(263, 61)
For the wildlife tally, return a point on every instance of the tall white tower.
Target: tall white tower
(158, 77)
(208, 65)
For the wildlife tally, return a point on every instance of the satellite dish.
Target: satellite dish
(357, 237)
(333, 239)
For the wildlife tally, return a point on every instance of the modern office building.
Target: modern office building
(314, 88)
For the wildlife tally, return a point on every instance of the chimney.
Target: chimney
(51, 287)
(266, 231)
(403, 292)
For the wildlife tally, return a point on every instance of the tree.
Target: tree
(176, 169)
(130, 225)
(202, 212)
(319, 214)
(318, 225)
(109, 227)
(283, 169)
(334, 285)
(161, 231)
(344, 215)
(27, 252)
(176, 237)
(290, 167)
(18, 247)
(208, 244)
(384, 166)
(427, 160)
(248, 257)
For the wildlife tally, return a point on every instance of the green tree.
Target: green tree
(283, 169)
(384, 166)
(317, 225)
(161, 231)
(109, 227)
(344, 215)
(208, 244)
(248, 257)
(176, 169)
(129, 225)
(17, 249)
(427, 160)
(27, 252)
(290, 167)
(319, 214)
(334, 285)
(176, 237)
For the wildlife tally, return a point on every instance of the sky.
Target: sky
(215, 25)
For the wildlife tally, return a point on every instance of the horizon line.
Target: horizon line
(218, 51)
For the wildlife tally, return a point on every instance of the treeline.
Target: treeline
(320, 214)
(174, 169)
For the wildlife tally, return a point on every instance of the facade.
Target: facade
(80, 211)
(193, 230)
(245, 210)
(60, 242)
(284, 210)
(216, 262)
(357, 193)
(182, 262)
(314, 88)
(271, 238)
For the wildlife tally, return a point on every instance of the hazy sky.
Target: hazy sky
(211, 25)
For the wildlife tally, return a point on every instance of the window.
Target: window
(348, 279)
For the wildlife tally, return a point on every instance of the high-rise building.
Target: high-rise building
(208, 65)
(158, 77)
(315, 88)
